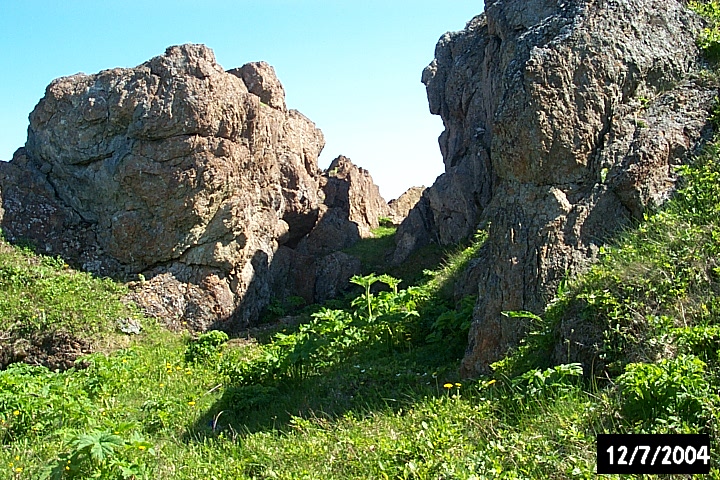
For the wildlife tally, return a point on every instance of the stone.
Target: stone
(177, 173)
(351, 189)
(260, 79)
(400, 207)
(333, 273)
(563, 122)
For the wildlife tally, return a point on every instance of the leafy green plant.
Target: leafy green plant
(102, 454)
(451, 327)
(207, 346)
(709, 40)
(35, 402)
(366, 282)
(702, 341)
(672, 389)
(537, 384)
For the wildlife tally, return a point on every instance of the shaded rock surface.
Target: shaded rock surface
(351, 189)
(316, 268)
(193, 177)
(563, 121)
(400, 207)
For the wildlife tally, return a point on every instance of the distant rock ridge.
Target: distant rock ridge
(563, 121)
(197, 181)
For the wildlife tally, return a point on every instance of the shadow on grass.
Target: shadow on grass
(370, 381)
(375, 376)
(374, 254)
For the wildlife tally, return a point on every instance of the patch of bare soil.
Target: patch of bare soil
(56, 350)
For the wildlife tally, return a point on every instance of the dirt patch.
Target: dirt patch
(56, 350)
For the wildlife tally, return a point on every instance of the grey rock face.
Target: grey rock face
(563, 121)
(176, 170)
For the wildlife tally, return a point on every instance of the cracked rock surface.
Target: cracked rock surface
(563, 121)
(177, 173)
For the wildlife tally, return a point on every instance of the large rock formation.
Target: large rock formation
(400, 207)
(350, 210)
(563, 121)
(180, 174)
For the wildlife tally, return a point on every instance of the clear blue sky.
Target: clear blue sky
(353, 67)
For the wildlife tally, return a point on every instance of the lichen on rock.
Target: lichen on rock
(563, 121)
(177, 171)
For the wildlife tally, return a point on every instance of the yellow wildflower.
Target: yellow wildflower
(191, 403)
(458, 385)
(448, 385)
(16, 412)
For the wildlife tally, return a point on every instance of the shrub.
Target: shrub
(672, 391)
(709, 40)
(205, 347)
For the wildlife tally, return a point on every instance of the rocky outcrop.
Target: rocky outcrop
(351, 189)
(316, 269)
(563, 121)
(400, 207)
(179, 173)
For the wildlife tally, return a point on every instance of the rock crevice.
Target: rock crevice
(563, 122)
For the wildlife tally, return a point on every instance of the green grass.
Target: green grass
(43, 293)
(359, 392)
(373, 251)
(42, 299)
(373, 393)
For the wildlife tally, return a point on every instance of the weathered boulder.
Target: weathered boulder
(175, 170)
(563, 121)
(400, 207)
(260, 79)
(351, 189)
(315, 268)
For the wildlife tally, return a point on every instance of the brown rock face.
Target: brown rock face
(563, 121)
(351, 207)
(351, 189)
(177, 170)
(401, 206)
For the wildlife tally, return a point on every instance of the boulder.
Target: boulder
(175, 172)
(260, 79)
(563, 122)
(400, 207)
(351, 189)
